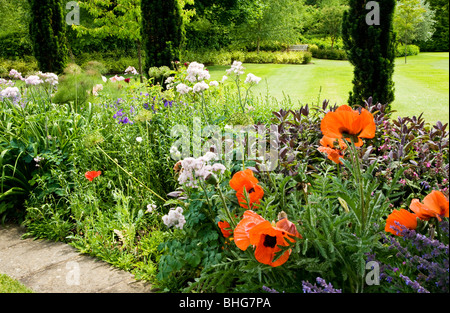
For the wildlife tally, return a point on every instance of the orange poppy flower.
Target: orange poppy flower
(434, 205)
(92, 174)
(288, 226)
(346, 123)
(267, 238)
(245, 180)
(225, 228)
(241, 232)
(403, 217)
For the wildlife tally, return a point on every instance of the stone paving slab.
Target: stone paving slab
(54, 267)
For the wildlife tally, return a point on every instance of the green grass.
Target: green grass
(421, 85)
(9, 285)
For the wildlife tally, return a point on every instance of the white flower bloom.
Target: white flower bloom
(224, 78)
(10, 92)
(104, 79)
(33, 80)
(150, 208)
(236, 68)
(209, 156)
(252, 79)
(132, 70)
(139, 139)
(15, 74)
(194, 170)
(174, 218)
(218, 167)
(214, 83)
(200, 86)
(197, 72)
(116, 78)
(50, 78)
(170, 79)
(96, 89)
(183, 89)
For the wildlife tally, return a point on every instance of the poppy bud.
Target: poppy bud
(211, 179)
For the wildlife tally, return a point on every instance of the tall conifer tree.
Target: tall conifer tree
(369, 41)
(48, 34)
(162, 32)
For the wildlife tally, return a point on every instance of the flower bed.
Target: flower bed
(198, 186)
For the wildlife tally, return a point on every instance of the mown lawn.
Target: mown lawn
(421, 85)
(9, 285)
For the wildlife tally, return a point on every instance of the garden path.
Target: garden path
(54, 267)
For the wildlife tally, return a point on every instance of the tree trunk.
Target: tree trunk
(140, 60)
(258, 39)
(405, 51)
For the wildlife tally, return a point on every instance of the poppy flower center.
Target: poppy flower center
(270, 241)
(251, 190)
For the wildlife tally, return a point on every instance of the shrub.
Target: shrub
(263, 57)
(327, 53)
(410, 50)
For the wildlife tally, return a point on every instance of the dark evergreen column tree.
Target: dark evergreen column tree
(370, 45)
(162, 32)
(48, 33)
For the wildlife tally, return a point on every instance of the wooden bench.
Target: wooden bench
(298, 48)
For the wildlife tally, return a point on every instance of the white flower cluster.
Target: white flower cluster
(183, 89)
(150, 208)
(50, 78)
(131, 70)
(194, 169)
(33, 80)
(37, 79)
(10, 92)
(96, 89)
(197, 72)
(38, 159)
(116, 78)
(174, 218)
(15, 74)
(199, 87)
(236, 68)
(8, 83)
(252, 79)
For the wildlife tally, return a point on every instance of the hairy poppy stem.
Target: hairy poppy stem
(129, 174)
(233, 224)
(357, 166)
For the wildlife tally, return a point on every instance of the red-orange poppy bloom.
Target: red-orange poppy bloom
(434, 204)
(255, 230)
(225, 228)
(241, 232)
(348, 123)
(328, 147)
(288, 226)
(92, 174)
(267, 238)
(244, 180)
(403, 217)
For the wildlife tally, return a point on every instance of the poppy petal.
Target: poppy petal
(241, 232)
(422, 211)
(403, 217)
(240, 178)
(437, 202)
(368, 123)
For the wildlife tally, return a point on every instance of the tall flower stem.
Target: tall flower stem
(239, 95)
(129, 174)
(359, 180)
(227, 212)
(210, 211)
(203, 108)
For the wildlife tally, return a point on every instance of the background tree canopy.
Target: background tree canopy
(109, 30)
